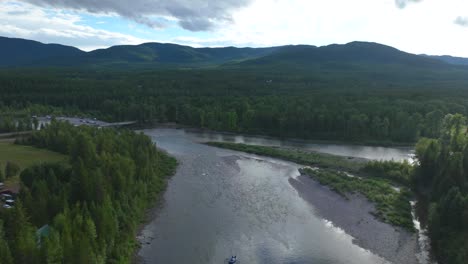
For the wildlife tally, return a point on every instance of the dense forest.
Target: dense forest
(92, 205)
(86, 210)
(442, 179)
(297, 105)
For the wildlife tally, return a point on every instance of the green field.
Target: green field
(24, 156)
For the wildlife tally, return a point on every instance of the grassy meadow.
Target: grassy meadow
(24, 156)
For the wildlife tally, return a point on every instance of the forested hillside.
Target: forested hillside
(351, 53)
(21, 52)
(26, 53)
(318, 105)
(337, 57)
(86, 210)
(451, 59)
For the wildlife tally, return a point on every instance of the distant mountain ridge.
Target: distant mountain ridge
(27, 53)
(22, 52)
(450, 59)
(350, 53)
(175, 54)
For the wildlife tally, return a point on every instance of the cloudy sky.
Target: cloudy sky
(418, 26)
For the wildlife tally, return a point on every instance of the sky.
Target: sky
(436, 27)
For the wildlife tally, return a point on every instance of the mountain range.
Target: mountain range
(16, 52)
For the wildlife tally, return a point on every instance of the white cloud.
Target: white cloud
(22, 20)
(425, 27)
(404, 3)
(194, 15)
(461, 21)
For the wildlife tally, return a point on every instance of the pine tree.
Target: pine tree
(11, 169)
(24, 246)
(5, 253)
(2, 176)
(52, 248)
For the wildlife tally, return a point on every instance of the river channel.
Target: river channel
(222, 203)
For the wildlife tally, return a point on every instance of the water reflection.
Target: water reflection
(223, 203)
(367, 152)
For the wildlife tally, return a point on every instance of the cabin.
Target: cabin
(42, 233)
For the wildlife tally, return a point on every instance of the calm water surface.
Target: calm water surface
(367, 152)
(223, 203)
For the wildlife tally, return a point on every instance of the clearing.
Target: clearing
(24, 156)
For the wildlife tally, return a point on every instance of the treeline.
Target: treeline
(398, 172)
(88, 209)
(301, 105)
(15, 124)
(11, 169)
(442, 178)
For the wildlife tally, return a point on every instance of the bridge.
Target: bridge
(77, 121)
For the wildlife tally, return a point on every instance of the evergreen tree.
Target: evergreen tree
(11, 169)
(5, 254)
(22, 233)
(2, 176)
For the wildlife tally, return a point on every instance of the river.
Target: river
(222, 203)
(359, 151)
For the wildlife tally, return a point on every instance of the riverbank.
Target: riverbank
(392, 204)
(141, 237)
(371, 143)
(245, 204)
(354, 215)
(371, 209)
(346, 175)
(309, 158)
(153, 210)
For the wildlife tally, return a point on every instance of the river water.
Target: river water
(359, 151)
(222, 203)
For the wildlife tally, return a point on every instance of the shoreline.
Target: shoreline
(140, 238)
(297, 140)
(150, 213)
(354, 216)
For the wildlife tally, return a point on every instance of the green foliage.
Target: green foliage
(399, 172)
(319, 104)
(20, 234)
(26, 156)
(5, 253)
(11, 169)
(392, 206)
(442, 176)
(321, 160)
(2, 175)
(93, 204)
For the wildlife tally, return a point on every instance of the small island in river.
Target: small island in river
(356, 195)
